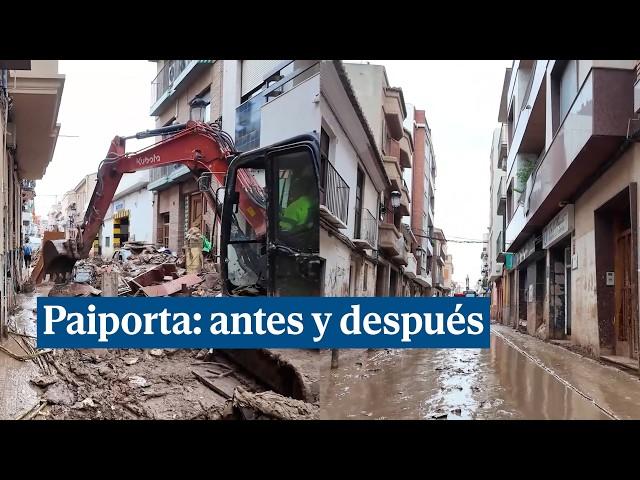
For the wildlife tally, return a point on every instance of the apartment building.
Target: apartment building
(353, 181)
(74, 202)
(485, 265)
(385, 111)
(438, 263)
(447, 274)
(130, 214)
(30, 95)
(177, 203)
(497, 201)
(573, 164)
(421, 181)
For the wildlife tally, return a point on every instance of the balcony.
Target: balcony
(501, 198)
(392, 167)
(500, 248)
(367, 237)
(334, 205)
(406, 150)
(33, 124)
(424, 279)
(172, 79)
(390, 240)
(592, 131)
(405, 203)
(394, 112)
(163, 177)
(438, 280)
(412, 266)
(502, 151)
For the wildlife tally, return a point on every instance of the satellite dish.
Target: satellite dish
(171, 74)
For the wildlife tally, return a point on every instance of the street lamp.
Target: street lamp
(419, 251)
(395, 199)
(197, 111)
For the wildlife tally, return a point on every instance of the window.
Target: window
(568, 87)
(163, 230)
(297, 201)
(564, 88)
(359, 193)
(206, 96)
(107, 241)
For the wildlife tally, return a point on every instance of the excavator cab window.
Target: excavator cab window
(270, 224)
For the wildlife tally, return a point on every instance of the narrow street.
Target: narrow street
(519, 377)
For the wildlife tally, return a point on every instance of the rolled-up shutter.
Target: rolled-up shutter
(254, 71)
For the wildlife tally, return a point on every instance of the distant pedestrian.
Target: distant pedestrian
(26, 251)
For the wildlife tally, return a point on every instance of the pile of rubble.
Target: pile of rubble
(154, 384)
(141, 269)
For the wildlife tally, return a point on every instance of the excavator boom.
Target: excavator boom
(202, 147)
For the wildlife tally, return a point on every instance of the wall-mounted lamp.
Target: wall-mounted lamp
(419, 251)
(197, 110)
(395, 199)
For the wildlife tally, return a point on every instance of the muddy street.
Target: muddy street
(506, 381)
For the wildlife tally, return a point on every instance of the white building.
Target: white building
(353, 185)
(130, 215)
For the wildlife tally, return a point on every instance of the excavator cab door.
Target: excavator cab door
(270, 223)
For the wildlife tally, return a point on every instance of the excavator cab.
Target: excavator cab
(270, 238)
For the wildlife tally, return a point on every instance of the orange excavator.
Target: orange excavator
(261, 252)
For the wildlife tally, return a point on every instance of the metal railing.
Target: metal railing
(336, 193)
(161, 172)
(166, 76)
(501, 194)
(368, 228)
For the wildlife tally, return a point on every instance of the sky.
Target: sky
(461, 101)
(102, 99)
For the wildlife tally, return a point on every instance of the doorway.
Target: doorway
(617, 280)
(560, 289)
(381, 280)
(522, 299)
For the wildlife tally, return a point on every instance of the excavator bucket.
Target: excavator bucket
(58, 260)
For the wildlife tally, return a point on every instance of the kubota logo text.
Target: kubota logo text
(148, 160)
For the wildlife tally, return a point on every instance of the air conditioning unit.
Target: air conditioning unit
(11, 135)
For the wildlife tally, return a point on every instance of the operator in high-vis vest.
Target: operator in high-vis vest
(297, 215)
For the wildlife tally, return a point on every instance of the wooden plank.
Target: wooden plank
(224, 386)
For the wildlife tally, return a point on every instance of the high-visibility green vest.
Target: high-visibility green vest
(296, 214)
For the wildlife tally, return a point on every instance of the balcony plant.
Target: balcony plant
(524, 172)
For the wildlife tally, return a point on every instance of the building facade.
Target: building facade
(385, 112)
(74, 202)
(497, 201)
(421, 180)
(177, 203)
(30, 95)
(571, 235)
(130, 215)
(438, 263)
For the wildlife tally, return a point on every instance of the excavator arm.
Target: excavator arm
(202, 147)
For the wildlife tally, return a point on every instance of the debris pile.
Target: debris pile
(142, 270)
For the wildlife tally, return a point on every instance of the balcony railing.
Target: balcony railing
(501, 198)
(335, 194)
(166, 76)
(499, 244)
(368, 235)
